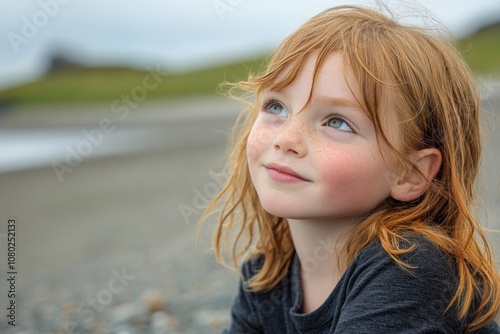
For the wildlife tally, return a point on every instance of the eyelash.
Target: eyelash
(341, 118)
(267, 103)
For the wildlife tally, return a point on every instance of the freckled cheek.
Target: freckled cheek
(353, 178)
(337, 175)
(257, 143)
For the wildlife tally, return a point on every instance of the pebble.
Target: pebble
(215, 319)
(163, 323)
(194, 298)
(134, 313)
(153, 300)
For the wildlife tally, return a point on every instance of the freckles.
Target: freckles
(256, 142)
(252, 152)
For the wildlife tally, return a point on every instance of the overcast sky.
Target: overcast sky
(176, 34)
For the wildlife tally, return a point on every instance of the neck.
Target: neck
(319, 246)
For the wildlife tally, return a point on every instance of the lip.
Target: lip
(284, 174)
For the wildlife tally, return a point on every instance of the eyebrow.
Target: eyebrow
(338, 102)
(345, 103)
(333, 101)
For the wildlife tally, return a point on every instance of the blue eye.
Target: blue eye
(339, 123)
(274, 107)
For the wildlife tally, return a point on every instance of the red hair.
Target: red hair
(438, 106)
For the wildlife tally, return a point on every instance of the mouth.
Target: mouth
(284, 174)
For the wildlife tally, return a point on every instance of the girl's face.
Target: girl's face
(323, 163)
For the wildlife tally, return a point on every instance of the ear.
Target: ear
(412, 184)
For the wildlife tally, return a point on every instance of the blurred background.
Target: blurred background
(110, 126)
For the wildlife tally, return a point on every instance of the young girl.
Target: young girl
(351, 187)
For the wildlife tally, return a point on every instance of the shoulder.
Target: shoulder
(386, 297)
(421, 257)
(252, 266)
(431, 278)
(258, 311)
(426, 273)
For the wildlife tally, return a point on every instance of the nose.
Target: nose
(291, 138)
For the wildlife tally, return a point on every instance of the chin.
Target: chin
(283, 211)
(280, 206)
(275, 210)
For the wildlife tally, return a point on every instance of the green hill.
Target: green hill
(79, 84)
(482, 49)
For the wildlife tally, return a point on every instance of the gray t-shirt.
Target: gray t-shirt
(375, 295)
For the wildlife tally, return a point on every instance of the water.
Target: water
(23, 149)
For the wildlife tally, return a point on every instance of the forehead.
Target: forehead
(319, 80)
(320, 76)
(332, 80)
